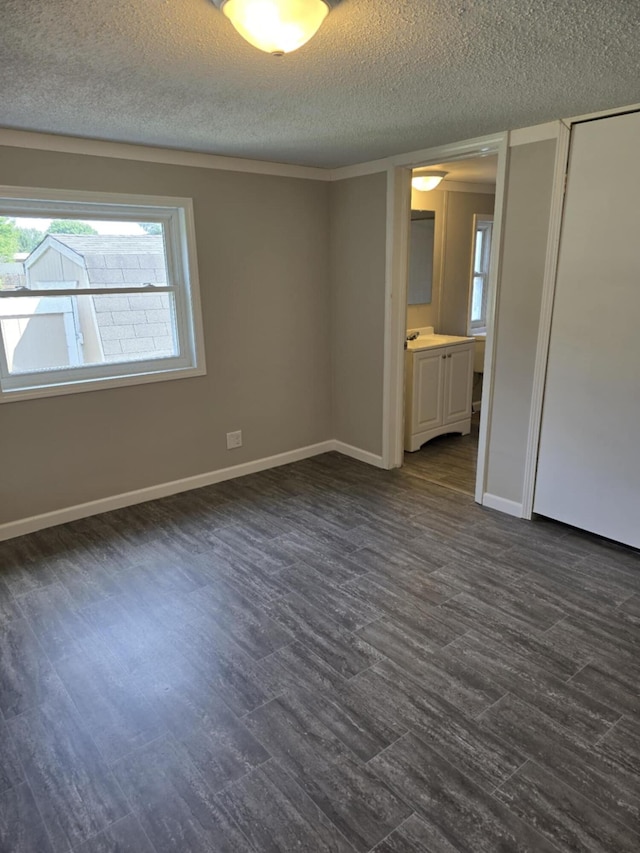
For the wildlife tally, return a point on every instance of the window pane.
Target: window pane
(476, 298)
(50, 254)
(477, 263)
(48, 332)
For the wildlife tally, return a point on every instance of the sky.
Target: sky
(100, 227)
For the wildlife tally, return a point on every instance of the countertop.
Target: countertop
(432, 341)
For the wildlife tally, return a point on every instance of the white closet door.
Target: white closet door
(589, 459)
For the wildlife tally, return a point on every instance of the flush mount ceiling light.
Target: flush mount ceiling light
(425, 181)
(276, 26)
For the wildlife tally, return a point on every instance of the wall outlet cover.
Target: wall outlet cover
(234, 439)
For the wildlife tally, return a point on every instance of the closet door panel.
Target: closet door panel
(589, 456)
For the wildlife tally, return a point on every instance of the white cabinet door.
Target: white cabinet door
(458, 388)
(428, 389)
(589, 459)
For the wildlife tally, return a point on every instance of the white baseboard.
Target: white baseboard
(162, 490)
(502, 505)
(357, 453)
(84, 510)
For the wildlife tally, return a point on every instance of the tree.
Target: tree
(70, 226)
(8, 239)
(29, 238)
(151, 227)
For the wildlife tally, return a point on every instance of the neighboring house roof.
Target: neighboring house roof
(110, 244)
(129, 324)
(110, 260)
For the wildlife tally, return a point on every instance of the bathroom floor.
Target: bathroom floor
(449, 460)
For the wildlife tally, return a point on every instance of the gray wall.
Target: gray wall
(264, 277)
(357, 260)
(526, 223)
(456, 273)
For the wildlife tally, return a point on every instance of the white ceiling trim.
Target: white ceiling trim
(537, 133)
(631, 108)
(149, 154)
(425, 156)
(453, 151)
(177, 157)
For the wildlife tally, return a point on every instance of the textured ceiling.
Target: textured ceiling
(381, 77)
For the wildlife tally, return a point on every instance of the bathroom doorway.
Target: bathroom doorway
(450, 244)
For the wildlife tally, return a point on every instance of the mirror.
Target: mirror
(421, 244)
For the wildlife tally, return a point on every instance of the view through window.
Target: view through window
(480, 274)
(91, 298)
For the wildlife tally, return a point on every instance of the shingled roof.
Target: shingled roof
(111, 260)
(130, 325)
(111, 244)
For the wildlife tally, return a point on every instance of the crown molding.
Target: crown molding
(631, 108)
(150, 154)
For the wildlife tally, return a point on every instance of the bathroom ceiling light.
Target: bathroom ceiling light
(276, 26)
(425, 181)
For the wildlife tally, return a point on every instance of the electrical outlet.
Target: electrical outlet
(234, 439)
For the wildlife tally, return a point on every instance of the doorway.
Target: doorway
(450, 242)
(444, 312)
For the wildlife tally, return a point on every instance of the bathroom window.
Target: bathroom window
(96, 291)
(481, 255)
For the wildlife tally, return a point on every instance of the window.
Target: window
(96, 290)
(481, 255)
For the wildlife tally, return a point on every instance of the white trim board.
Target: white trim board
(150, 154)
(493, 297)
(24, 526)
(179, 157)
(537, 133)
(359, 454)
(614, 111)
(546, 312)
(502, 505)
(395, 310)
(425, 156)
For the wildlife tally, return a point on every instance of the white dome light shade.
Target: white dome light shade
(276, 26)
(427, 181)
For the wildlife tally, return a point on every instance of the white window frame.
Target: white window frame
(481, 222)
(176, 216)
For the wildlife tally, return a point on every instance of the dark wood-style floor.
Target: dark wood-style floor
(322, 657)
(449, 460)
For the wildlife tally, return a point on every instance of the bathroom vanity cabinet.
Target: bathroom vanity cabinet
(438, 388)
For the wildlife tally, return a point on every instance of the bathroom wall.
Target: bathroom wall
(447, 312)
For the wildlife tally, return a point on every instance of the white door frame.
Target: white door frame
(398, 207)
(546, 311)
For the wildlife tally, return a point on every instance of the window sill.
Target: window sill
(82, 386)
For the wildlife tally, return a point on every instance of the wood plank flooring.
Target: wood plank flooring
(449, 460)
(321, 657)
